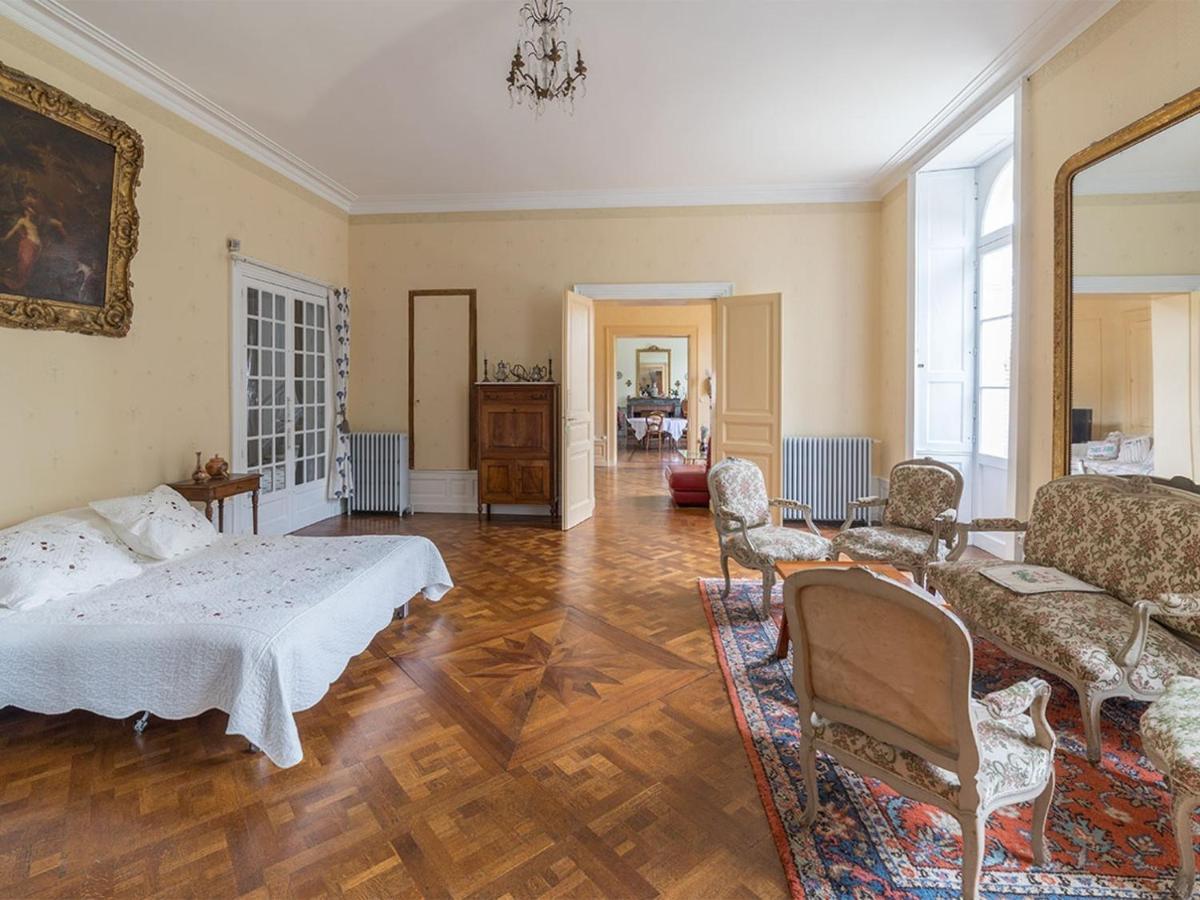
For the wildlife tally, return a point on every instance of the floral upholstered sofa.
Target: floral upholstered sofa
(1138, 541)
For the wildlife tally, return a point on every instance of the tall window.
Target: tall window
(995, 310)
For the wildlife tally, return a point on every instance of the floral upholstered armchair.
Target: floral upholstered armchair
(919, 519)
(742, 516)
(882, 673)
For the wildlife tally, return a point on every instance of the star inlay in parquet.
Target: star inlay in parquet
(525, 687)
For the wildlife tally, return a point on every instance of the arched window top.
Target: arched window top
(998, 208)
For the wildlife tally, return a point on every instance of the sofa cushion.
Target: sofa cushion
(1136, 544)
(1077, 633)
(1009, 759)
(773, 543)
(887, 543)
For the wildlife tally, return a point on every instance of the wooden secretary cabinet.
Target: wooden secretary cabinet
(517, 443)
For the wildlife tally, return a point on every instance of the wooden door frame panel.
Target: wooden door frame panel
(472, 369)
(611, 333)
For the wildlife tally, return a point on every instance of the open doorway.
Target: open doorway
(652, 415)
(962, 392)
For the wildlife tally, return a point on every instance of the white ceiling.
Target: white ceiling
(402, 105)
(1167, 162)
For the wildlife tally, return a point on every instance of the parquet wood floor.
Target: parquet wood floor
(556, 726)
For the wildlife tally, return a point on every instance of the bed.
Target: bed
(258, 627)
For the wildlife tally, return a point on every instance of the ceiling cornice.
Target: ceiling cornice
(760, 195)
(70, 32)
(1056, 27)
(64, 29)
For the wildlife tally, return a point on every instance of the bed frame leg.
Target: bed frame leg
(140, 725)
(401, 612)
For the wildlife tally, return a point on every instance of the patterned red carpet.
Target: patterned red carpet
(1109, 832)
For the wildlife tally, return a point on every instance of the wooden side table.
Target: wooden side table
(784, 569)
(219, 489)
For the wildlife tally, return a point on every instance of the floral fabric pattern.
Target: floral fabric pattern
(1078, 633)
(46, 561)
(1136, 544)
(1171, 731)
(906, 547)
(1014, 699)
(1009, 760)
(341, 473)
(737, 485)
(771, 544)
(918, 494)
(160, 524)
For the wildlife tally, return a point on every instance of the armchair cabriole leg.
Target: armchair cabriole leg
(768, 584)
(1089, 709)
(974, 836)
(1182, 808)
(1041, 812)
(139, 727)
(725, 570)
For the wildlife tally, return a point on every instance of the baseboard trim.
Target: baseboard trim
(443, 490)
(457, 491)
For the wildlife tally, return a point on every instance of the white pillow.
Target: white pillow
(44, 560)
(160, 524)
(1135, 449)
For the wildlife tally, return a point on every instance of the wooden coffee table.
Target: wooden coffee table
(784, 569)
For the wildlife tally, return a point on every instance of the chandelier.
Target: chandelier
(541, 69)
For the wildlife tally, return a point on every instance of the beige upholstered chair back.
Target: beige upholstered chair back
(884, 658)
(919, 490)
(737, 485)
(1129, 536)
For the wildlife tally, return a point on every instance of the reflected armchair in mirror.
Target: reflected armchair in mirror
(1127, 320)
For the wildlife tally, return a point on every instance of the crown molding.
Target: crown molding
(68, 31)
(1053, 30)
(761, 195)
(1135, 284)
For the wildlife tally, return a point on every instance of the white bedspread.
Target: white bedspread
(257, 627)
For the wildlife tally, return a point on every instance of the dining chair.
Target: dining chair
(882, 673)
(654, 430)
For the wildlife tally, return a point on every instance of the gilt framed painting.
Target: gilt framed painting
(68, 223)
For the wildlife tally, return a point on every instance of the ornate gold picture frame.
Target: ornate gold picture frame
(68, 223)
(1162, 118)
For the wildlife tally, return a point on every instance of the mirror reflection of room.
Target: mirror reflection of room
(1135, 344)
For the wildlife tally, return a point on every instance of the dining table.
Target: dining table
(670, 426)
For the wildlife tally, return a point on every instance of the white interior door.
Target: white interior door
(944, 380)
(748, 409)
(578, 451)
(282, 401)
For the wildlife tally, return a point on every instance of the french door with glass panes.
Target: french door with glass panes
(282, 398)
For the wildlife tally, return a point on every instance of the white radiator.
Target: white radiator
(826, 472)
(380, 472)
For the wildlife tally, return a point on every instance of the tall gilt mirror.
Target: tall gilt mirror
(653, 371)
(1127, 315)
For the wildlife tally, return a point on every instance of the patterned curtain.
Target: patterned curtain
(341, 473)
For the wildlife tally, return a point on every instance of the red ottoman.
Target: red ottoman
(688, 484)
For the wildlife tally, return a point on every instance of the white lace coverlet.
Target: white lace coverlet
(258, 627)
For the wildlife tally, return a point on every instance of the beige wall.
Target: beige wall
(1137, 234)
(87, 417)
(891, 332)
(1136, 58)
(823, 258)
